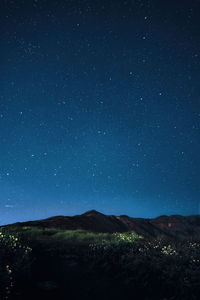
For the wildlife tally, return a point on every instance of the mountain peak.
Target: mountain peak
(94, 221)
(92, 212)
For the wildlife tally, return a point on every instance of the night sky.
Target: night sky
(99, 108)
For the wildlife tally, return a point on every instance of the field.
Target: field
(40, 263)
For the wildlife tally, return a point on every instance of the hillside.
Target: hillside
(46, 260)
(164, 226)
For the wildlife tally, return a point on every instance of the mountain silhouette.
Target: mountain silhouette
(163, 226)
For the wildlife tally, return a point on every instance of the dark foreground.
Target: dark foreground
(57, 264)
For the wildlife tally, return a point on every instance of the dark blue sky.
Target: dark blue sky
(99, 108)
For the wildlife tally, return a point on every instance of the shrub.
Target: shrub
(14, 259)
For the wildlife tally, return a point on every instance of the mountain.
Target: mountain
(174, 226)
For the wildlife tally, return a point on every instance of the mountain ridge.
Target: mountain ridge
(174, 226)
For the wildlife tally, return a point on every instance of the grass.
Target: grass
(71, 237)
(49, 263)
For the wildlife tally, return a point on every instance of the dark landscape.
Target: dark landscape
(97, 256)
(99, 150)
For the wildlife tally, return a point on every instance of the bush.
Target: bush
(14, 262)
(101, 265)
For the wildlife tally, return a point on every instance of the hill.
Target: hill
(80, 258)
(174, 226)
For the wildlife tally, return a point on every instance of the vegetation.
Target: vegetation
(40, 263)
(14, 261)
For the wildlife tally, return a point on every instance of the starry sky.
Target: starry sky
(99, 108)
